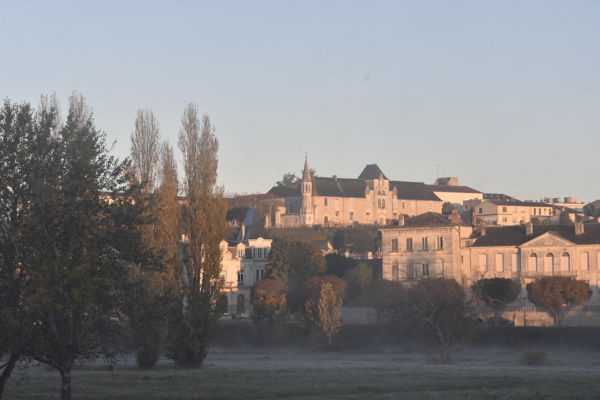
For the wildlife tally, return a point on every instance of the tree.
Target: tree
(311, 312)
(203, 226)
(145, 149)
(288, 179)
(338, 264)
(83, 243)
(496, 293)
(447, 208)
(269, 301)
(330, 308)
(359, 278)
(293, 263)
(17, 127)
(436, 309)
(551, 293)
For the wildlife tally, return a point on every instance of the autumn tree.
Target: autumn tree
(551, 293)
(203, 227)
(330, 309)
(436, 310)
(311, 312)
(145, 149)
(268, 304)
(85, 236)
(496, 293)
(295, 262)
(359, 278)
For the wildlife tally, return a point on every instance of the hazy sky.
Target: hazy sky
(504, 94)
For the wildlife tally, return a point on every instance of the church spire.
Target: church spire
(306, 176)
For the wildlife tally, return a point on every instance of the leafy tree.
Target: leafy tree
(269, 301)
(330, 308)
(553, 292)
(591, 211)
(359, 278)
(83, 243)
(311, 313)
(294, 263)
(496, 293)
(436, 310)
(447, 208)
(288, 179)
(145, 149)
(194, 319)
(17, 134)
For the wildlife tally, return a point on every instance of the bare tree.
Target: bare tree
(145, 149)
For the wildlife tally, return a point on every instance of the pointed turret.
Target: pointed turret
(306, 176)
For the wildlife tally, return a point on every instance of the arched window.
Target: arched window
(565, 262)
(532, 266)
(241, 304)
(395, 272)
(383, 203)
(325, 220)
(549, 267)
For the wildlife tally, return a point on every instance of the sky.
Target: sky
(503, 94)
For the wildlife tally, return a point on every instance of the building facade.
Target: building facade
(509, 212)
(331, 201)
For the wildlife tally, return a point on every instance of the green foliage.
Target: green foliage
(359, 278)
(310, 313)
(288, 179)
(496, 293)
(357, 239)
(553, 292)
(447, 208)
(294, 263)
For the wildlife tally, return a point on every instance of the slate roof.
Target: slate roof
(371, 171)
(452, 189)
(292, 190)
(339, 187)
(413, 191)
(519, 203)
(428, 220)
(516, 235)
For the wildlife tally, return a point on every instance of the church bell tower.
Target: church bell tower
(306, 188)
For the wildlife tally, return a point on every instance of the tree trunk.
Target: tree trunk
(8, 369)
(497, 318)
(65, 384)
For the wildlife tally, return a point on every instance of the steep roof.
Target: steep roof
(371, 171)
(339, 187)
(452, 188)
(292, 190)
(516, 235)
(428, 220)
(413, 191)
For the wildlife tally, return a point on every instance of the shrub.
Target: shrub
(533, 357)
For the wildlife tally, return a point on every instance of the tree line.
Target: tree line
(95, 250)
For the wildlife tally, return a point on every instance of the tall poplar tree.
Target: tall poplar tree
(203, 227)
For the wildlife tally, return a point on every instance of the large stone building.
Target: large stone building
(449, 190)
(509, 212)
(371, 198)
(432, 245)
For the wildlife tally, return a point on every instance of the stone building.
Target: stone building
(508, 212)
(432, 245)
(371, 198)
(449, 190)
(243, 264)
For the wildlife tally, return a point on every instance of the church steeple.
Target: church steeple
(306, 176)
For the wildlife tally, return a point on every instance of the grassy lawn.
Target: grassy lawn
(304, 374)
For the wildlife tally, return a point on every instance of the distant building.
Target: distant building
(508, 212)
(448, 190)
(371, 198)
(572, 203)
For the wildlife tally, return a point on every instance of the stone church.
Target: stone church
(371, 198)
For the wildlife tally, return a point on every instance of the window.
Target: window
(241, 304)
(403, 205)
(325, 220)
(409, 244)
(351, 216)
(337, 213)
(504, 209)
(394, 244)
(565, 262)
(424, 243)
(241, 253)
(585, 261)
(441, 243)
(532, 266)
(483, 262)
(425, 269)
(240, 277)
(325, 203)
(383, 203)
(257, 275)
(504, 219)
(549, 263)
(499, 262)
(395, 272)
(480, 210)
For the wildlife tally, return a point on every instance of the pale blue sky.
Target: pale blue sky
(503, 94)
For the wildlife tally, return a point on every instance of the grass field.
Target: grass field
(306, 374)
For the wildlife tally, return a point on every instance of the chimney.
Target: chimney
(401, 220)
(455, 217)
(529, 228)
(579, 228)
(243, 231)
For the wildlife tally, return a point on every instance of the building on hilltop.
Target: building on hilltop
(509, 212)
(372, 198)
(448, 190)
